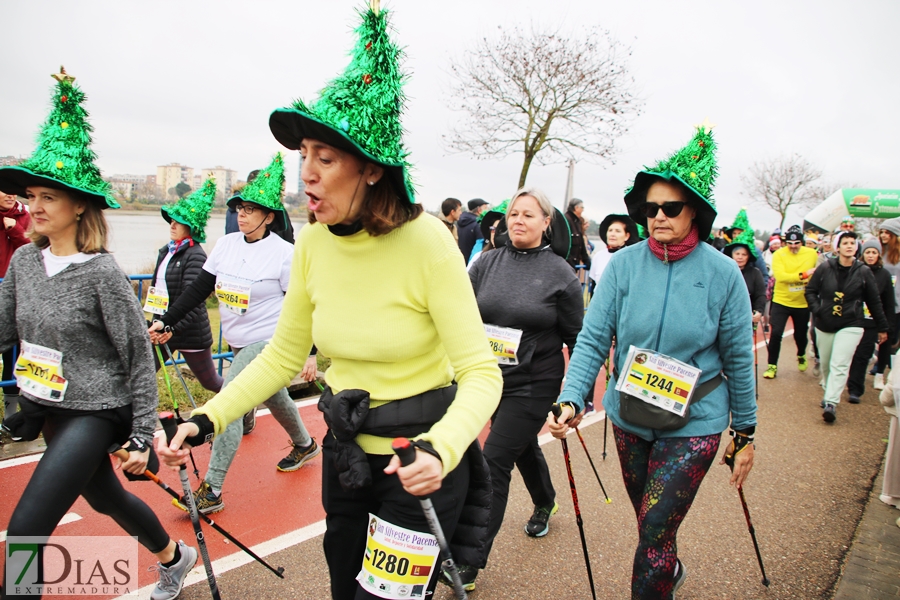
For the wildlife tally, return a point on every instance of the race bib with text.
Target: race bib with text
(39, 372)
(234, 296)
(658, 379)
(398, 562)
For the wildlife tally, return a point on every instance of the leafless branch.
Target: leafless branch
(549, 96)
(783, 182)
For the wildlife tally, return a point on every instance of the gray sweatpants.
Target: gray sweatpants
(284, 410)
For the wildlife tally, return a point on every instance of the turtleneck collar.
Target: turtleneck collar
(342, 230)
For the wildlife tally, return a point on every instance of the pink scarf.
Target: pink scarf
(672, 252)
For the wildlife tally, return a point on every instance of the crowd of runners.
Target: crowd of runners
(421, 347)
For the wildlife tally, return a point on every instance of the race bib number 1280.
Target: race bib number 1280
(398, 562)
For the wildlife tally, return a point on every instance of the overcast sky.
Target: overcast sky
(195, 81)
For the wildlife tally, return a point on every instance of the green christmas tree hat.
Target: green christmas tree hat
(694, 167)
(63, 158)
(358, 111)
(746, 239)
(740, 222)
(266, 190)
(193, 210)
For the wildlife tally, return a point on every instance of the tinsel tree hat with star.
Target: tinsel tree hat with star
(358, 111)
(63, 158)
(740, 222)
(694, 167)
(744, 238)
(266, 190)
(193, 210)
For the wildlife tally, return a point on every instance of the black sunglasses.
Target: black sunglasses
(670, 209)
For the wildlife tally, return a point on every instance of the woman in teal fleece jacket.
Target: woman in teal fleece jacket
(677, 296)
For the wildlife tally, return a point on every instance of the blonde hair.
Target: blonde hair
(91, 232)
(538, 195)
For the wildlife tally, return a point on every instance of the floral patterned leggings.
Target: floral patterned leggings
(661, 478)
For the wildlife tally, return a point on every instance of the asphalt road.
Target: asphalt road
(806, 495)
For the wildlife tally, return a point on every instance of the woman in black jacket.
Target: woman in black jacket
(856, 383)
(740, 250)
(836, 293)
(527, 330)
(177, 266)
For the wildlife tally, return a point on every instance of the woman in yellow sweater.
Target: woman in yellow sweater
(383, 291)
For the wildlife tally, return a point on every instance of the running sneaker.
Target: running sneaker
(250, 421)
(770, 372)
(206, 500)
(802, 363)
(817, 368)
(828, 413)
(680, 576)
(467, 575)
(299, 456)
(854, 399)
(878, 384)
(171, 579)
(538, 525)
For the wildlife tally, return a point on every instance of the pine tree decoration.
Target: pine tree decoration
(359, 110)
(63, 153)
(745, 238)
(266, 189)
(694, 166)
(193, 210)
(740, 221)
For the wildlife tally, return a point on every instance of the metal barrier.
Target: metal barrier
(221, 357)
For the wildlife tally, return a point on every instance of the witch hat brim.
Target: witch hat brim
(15, 180)
(291, 126)
(730, 248)
(630, 228)
(559, 234)
(706, 214)
(490, 219)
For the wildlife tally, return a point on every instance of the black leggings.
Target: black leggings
(76, 464)
(778, 316)
(513, 441)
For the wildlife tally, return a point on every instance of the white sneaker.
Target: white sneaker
(890, 500)
(879, 381)
(171, 579)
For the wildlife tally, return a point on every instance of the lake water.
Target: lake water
(136, 237)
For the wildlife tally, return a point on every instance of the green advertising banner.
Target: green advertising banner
(878, 204)
(857, 202)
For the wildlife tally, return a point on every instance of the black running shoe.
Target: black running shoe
(467, 575)
(538, 525)
(299, 456)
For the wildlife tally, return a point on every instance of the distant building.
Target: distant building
(225, 180)
(168, 176)
(125, 186)
(10, 161)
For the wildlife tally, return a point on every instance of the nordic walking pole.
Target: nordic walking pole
(605, 422)
(407, 454)
(162, 364)
(122, 453)
(729, 460)
(170, 427)
(587, 561)
(180, 376)
(583, 445)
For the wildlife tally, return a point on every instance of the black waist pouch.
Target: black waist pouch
(643, 414)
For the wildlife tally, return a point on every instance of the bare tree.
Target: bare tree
(783, 182)
(547, 95)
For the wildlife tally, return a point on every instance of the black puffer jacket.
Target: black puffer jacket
(579, 254)
(192, 332)
(885, 291)
(756, 286)
(836, 294)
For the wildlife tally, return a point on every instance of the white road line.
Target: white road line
(283, 542)
(239, 559)
(67, 518)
